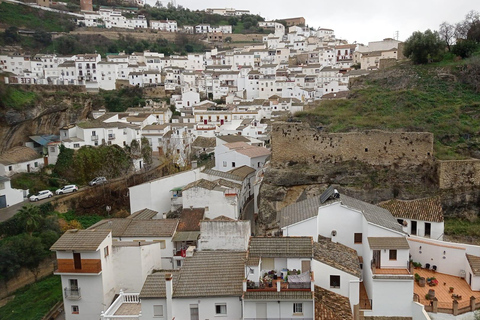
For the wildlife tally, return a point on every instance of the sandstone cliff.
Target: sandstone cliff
(52, 108)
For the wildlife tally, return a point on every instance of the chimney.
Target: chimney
(168, 294)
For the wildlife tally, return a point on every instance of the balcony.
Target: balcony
(94, 138)
(72, 293)
(86, 266)
(304, 282)
(126, 307)
(111, 136)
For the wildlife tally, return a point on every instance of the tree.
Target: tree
(464, 48)
(447, 34)
(462, 28)
(146, 153)
(30, 216)
(473, 33)
(11, 35)
(228, 39)
(424, 47)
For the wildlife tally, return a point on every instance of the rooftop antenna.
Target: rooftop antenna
(396, 35)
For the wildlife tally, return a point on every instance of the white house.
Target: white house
(376, 236)
(8, 195)
(219, 197)
(273, 289)
(420, 217)
(164, 25)
(18, 160)
(232, 155)
(140, 230)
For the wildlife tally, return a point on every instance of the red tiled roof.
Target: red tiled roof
(427, 209)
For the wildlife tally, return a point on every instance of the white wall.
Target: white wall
(156, 194)
(431, 252)
(133, 264)
(303, 228)
(12, 196)
(386, 290)
(334, 217)
(147, 308)
(91, 303)
(206, 307)
(224, 235)
(349, 284)
(276, 310)
(216, 201)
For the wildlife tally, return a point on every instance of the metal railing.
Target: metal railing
(72, 294)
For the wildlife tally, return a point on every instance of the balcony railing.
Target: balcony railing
(94, 138)
(111, 136)
(132, 299)
(72, 294)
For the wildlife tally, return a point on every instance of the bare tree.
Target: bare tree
(447, 34)
(461, 28)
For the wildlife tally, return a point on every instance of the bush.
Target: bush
(424, 47)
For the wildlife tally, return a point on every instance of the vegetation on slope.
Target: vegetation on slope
(34, 19)
(411, 98)
(33, 301)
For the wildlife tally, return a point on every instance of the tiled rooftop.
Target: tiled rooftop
(211, 274)
(81, 240)
(280, 247)
(427, 209)
(337, 255)
(136, 227)
(331, 306)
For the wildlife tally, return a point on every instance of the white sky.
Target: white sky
(360, 20)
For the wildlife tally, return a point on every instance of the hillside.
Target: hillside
(442, 98)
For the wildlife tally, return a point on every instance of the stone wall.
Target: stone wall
(459, 173)
(298, 143)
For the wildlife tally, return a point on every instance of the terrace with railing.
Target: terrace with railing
(126, 307)
(274, 283)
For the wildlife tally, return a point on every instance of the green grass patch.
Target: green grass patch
(424, 102)
(462, 227)
(26, 17)
(15, 98)
(33, 301)
(85, 221)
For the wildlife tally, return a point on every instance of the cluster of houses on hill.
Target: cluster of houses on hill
(186, 253)
(303, 64)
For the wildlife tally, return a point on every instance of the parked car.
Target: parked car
(67, 189)
(41, 195)
(98, 180)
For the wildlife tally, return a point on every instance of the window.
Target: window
(233, 164)
(75, 310)
(158, 311)
(179, 263)
(52, 149)
(2, 185)
(298, 307)
(105, 251)
(334, 281)
(36, 164)
(392, 254)
(76, 145)
(10, 168)
(194, 312)
(357, 238)
(221, 308)
(224, 163)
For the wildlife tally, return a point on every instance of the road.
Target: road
(8, 212)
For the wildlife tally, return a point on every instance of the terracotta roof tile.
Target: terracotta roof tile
(18, 154)
(337, 255)
(154, 286)
(388, 243)
(144, 214)
(427, 209)
(190, 219)
(138, 228)
(474, 262)
(212, 274)
(280, 247)
(81, 240)
(331, 306)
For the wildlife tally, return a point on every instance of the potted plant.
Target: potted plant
(421, 282)
(451, 289)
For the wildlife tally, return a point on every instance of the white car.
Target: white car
(98, 180)
(44, 194)
(67, 189)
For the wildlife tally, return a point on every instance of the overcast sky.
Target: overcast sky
(361, 21)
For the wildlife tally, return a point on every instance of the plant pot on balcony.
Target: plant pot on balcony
(421, 282)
